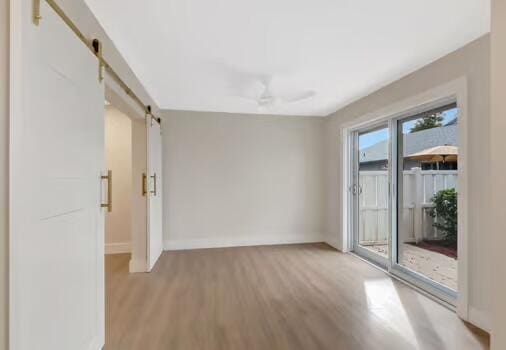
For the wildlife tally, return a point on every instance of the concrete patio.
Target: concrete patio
(438, 267)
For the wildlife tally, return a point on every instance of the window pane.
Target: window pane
(373, 191)
(427, 190)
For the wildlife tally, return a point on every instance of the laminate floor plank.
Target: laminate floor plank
(287, 297)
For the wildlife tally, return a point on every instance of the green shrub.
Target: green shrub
(445, 214)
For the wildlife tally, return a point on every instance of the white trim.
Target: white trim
(117, 98)
(410, 105)
(460, 91)
(451, 91)
(222, 242)
(480, 319)
(347, 199)
(96, 345)
(334, 243)
(118, 248)
(16, 113)
(137, 265)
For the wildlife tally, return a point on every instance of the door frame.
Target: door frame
(454, 91)
(117, 97)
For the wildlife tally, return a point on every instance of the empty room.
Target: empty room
(281, 175)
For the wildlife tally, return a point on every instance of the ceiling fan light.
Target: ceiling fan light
(267, 101)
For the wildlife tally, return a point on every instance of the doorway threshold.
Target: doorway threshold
(411, 285)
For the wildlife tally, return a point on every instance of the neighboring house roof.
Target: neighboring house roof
(452, 122)
(413, 142)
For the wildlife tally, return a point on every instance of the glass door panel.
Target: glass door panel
(427, 163)
(371, 194)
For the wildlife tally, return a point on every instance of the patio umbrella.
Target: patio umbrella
(436, 154)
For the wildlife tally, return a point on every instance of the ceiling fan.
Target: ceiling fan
(266, 97)
(259, 88)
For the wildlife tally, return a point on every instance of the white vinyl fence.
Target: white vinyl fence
(418, 188)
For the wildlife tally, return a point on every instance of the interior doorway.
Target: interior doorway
(126, 161)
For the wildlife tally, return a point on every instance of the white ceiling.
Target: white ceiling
(204, 54)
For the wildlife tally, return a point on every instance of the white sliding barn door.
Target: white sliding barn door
(155, 240)
(57, 156)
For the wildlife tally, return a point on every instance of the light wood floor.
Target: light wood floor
(273, 298)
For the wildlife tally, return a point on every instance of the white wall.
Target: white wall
(4, 166)
(118, 158)
(473, 62)
(498, 179)
(239, 179)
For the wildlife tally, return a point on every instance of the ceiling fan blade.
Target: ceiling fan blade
(240, 81)
(246, 98)
(300, 97)
(257, 88)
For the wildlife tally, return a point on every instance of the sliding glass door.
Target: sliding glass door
(427, 182)
(404, 208)
(371, 193)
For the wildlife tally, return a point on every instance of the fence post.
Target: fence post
(418, 210)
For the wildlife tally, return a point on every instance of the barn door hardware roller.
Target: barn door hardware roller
(151, 116)
(36, 12)
(95, 46)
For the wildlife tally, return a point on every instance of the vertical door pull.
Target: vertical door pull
(108, 177)
(144, 184)
(154, 184)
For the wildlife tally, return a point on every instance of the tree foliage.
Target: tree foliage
(430, 121)
(445, 214)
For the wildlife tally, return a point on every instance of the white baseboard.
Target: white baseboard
(118, 248)
(223, 242)
(479, 319)
(97, 344)
(334, 244)
(137, 265)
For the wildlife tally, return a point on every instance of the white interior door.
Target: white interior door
(57, 156)
(155, 241)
